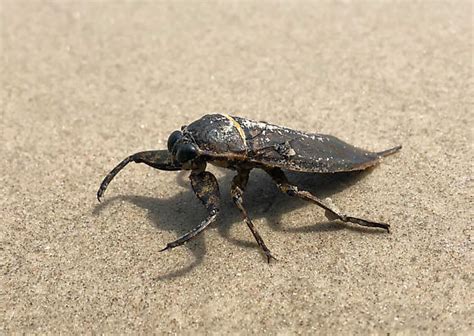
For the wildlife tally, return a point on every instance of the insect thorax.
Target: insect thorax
(218, 134)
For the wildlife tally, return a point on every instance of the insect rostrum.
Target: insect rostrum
(242, 145)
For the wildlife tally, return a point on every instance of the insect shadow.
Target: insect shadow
(182, 212)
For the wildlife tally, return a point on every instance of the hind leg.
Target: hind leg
(331, 212)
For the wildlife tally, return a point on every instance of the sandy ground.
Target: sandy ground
(85, 84)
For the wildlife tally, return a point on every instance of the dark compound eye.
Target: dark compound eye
(175, 136)
(186, 152)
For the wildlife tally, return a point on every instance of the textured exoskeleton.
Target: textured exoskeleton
(241, 145)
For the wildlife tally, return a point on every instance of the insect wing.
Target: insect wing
(298, 151)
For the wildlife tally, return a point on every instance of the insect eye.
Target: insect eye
(175, 136)
(186, 152)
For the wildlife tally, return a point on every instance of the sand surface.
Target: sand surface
(86, 83)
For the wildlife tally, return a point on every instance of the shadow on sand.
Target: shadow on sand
(262, 199)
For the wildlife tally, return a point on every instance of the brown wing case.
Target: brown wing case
(288, 149)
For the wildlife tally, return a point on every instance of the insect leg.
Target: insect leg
(159, 159)
(331, 213)
(239, 184)
(207, 190)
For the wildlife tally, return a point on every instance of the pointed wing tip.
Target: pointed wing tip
(389, 151)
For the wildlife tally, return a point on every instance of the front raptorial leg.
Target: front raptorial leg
(159, 159)
(282, 182)
(207, 190)
(238, 187)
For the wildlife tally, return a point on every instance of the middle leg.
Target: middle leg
(239, 184)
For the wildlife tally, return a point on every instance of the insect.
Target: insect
(242, 145)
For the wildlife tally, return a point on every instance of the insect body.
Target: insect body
(241, 145)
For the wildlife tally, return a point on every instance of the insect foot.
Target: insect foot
(365, 222)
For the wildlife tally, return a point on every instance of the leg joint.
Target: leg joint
(288, 189)
(236, 198)
(213, 211)
(236, 193)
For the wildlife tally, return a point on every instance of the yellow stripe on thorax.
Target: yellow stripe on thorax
(237, 125)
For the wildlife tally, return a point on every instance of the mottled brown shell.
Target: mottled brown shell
(282, 147)
(270, 145)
